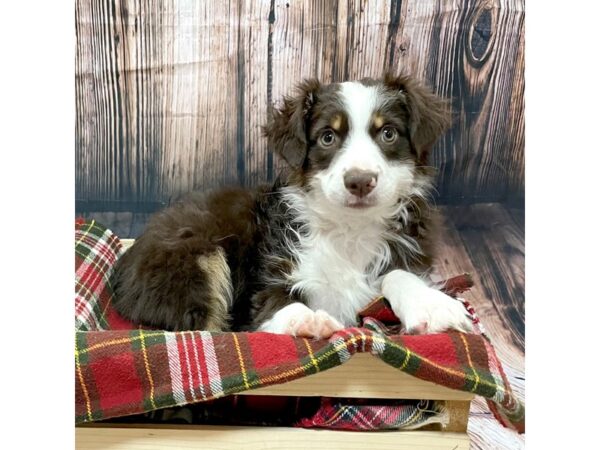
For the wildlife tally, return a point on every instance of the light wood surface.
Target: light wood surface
(364, 375)
(458, 413)
(170, 96)
(250, 438)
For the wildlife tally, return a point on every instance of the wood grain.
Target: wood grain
(458, 413)
(249, 438)
(356, 379)
(495, 246)
(482, 70)
(170, 95)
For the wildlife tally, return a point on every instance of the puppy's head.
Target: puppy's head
(359, 144)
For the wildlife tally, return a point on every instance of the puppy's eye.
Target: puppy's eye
(389, 134)
(327, 138)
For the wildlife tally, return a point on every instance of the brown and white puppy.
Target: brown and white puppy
(350, 222)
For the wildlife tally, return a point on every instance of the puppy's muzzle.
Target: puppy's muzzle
(360, 182)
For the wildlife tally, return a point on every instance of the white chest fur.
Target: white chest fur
(336, 274)
(338, 260)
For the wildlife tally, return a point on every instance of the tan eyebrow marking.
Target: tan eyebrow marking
(378, 121)
(336, 122)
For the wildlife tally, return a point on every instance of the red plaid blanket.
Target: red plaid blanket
(360, 414)
(122, 370)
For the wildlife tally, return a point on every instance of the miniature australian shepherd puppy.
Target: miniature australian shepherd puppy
(351, 221)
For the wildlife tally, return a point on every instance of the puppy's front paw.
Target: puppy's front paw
(423, 309)
(299, 320)
(435, 312)
(317, 325)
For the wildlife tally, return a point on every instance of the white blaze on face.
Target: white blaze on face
(361, 152)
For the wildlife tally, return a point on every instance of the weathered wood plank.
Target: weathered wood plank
(254, 165)
(161, 127)
(518, 215)
(496, 248)
(303, 45)
(472, 52)
(248, 438)
(497, 269)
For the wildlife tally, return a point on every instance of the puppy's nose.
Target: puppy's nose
(360, 182)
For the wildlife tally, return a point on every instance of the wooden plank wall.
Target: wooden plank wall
(170, 94)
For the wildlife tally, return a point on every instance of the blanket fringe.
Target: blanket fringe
(439, 415)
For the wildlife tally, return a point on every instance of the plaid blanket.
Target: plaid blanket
(122, 370)
(359, 414)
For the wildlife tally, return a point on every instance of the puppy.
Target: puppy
(350, 221)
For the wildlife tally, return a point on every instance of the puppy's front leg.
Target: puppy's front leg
(423, 309)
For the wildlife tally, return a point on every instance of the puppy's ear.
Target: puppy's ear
(287, 125)
(429, 115)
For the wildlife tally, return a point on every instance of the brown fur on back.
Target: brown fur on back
(160, 281)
